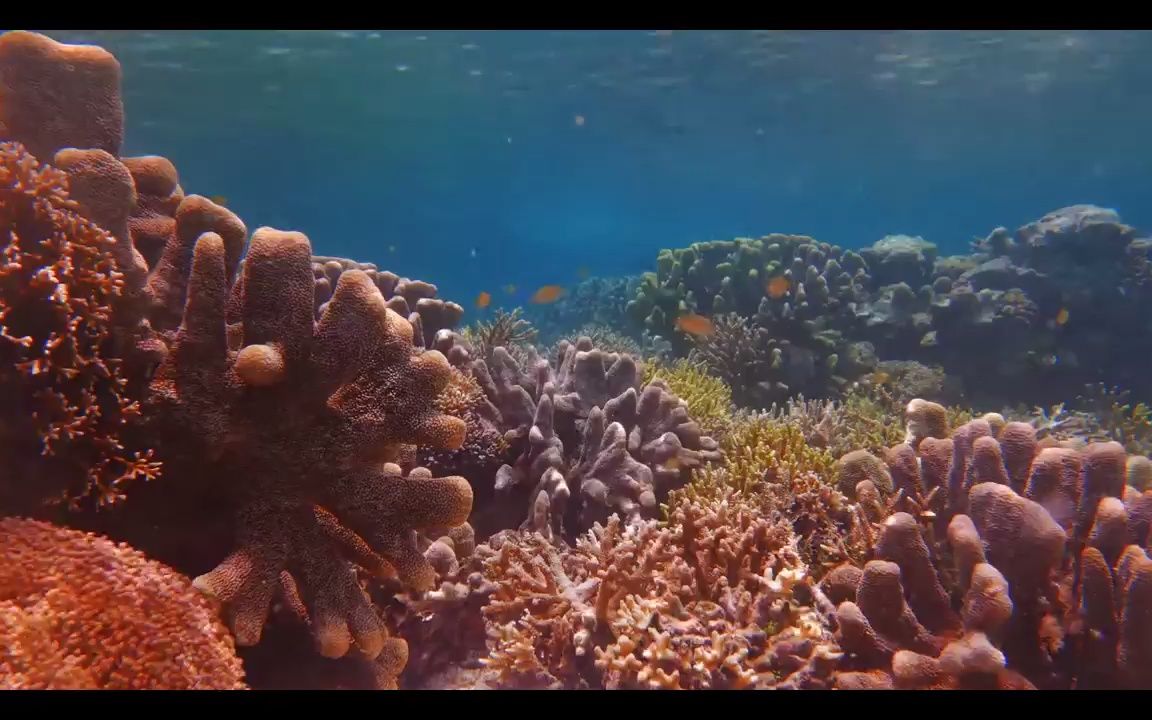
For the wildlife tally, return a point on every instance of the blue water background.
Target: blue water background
(485, 158)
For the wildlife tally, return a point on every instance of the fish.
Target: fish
(1062, 316)
(220, 200)
(483, 300)
(510, 289)
(777, 287)
(547, 294)
(694, 324)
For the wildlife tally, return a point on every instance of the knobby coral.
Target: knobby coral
(78, 611)
(306, 413)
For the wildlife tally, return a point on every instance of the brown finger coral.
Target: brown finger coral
(79, 611)
(293, 422)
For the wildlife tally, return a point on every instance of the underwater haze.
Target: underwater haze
(482, 159)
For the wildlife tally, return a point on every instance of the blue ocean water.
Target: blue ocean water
(477, 159)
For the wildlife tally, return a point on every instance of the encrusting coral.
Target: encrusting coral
(78, 611)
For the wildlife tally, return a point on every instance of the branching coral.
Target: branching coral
(79, 611)
(714, 600)
(709, 398)
(506, 329)
(66, 406)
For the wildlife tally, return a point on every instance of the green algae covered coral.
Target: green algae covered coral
(709, 398)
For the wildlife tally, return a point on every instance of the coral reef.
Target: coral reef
(67, 409)
(714, 600)
(797, 299)
(414, 300)
(143, 625)
(998, 564)
(506, 329)
(709, 398)
(586, 439)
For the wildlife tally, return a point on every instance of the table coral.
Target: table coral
(143, 625)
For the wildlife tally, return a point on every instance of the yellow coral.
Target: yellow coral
(709, 398)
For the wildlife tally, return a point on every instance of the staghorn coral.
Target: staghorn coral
(79, 611)
(506, 329)
(714, 600)
(305, 413)
(709, 398)
(67, 407)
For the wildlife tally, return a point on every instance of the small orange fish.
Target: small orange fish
(1062, 316)
(483, 300)
(579, 120)
(583, 272)
(694, 324)
(219, 200)
(777, 287)
(547, 294)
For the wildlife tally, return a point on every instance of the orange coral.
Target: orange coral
(79, 611)
(54, 95)
(66, 406)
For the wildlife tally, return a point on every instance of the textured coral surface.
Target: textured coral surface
(80, 611)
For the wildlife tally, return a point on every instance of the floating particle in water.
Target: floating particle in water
(661, 33)
(759, 131)
(272, 88)
(275, 50)
(475, 72)
(469, 46)
(345, 34)
(373, 36)
(1036, 83)
(421, 37)
(509, 139)
(579, 120)
(402, 68)
(928, 82)
(884, 77)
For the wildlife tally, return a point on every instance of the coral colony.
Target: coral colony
(290, 470)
